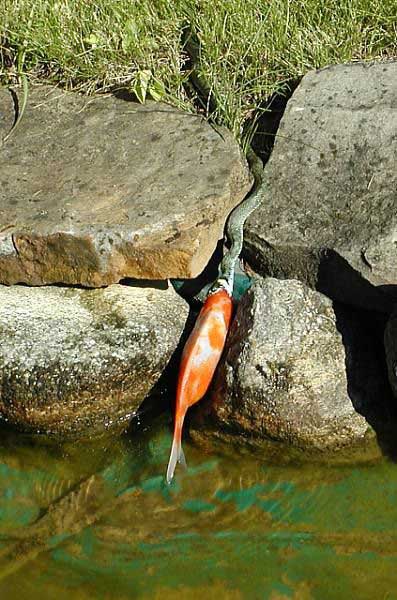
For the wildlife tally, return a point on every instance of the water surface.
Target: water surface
(234, 525)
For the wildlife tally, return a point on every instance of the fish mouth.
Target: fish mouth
(221, 284)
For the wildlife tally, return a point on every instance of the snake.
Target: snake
(234, 230)
(235, 226)
(20, 112)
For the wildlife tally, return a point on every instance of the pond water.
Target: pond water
(232, 526)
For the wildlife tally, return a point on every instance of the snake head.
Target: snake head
(221, 284)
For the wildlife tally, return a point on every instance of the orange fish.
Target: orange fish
(200, 357)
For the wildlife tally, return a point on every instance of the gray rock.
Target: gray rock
(74, 360)
(93, 190)
(330, 216)
(292, 371)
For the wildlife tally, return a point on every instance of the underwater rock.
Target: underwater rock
(296, 369)
(94, 190)
(77, 360)
(329, 218)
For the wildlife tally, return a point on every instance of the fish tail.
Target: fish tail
(181, 458)
(177, 455)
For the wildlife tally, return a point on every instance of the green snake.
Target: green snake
(235, 227)
(237, 218)
(20, 113)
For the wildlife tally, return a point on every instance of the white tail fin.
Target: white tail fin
(177, 455)
(181, 458)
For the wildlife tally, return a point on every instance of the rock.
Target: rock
(94, 190)
(75, 360)
(330, 216)
(293, 371)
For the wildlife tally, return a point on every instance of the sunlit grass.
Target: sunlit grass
(249, 49)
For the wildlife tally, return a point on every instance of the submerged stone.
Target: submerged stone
(329, 217)
(74, 360)
(94, 190)
(296, 369)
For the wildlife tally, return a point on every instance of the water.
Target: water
(232, 526)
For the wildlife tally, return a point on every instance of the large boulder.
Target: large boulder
(296, 369)
(75, 360)
(329, 216)
(93, 190)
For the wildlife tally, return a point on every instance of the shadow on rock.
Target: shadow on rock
(338, 280)
(267, 120)
(322, 269)
(189, 288)
(366, 371)
(158, 284)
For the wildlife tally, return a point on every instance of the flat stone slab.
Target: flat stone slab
(78, 360)
(330, 216)
(94, 190)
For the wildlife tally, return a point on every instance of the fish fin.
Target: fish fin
(181, 458)
(177, 455)
(174, 456)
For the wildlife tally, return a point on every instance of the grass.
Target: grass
(249, 49)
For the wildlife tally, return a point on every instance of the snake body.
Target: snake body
(235, 227)
(237, 218)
